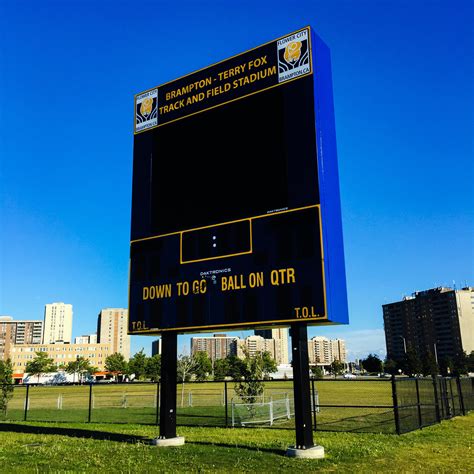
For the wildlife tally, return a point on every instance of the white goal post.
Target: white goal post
(261, 412)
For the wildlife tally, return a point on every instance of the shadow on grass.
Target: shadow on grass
(119, 437)
(73, 433)
(238, 446)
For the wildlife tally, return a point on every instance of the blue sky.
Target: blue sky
(403, 91)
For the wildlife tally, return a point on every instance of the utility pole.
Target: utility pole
(404, 344)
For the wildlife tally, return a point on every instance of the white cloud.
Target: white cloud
(363, 342)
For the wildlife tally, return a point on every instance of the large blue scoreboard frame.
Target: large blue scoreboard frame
(236, 213)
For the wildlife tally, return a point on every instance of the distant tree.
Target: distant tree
(116, 364)
(73, 368)
(336, 368)
(446, 366)
(251, 386)
(269, 365)
(429, 365)
(470, 362)
(390, 366)
(316, 371)
(80, 366)
(221, 369)
(137, 365)
(411, 364)
(153, 367)
(460, 363)
(372, 363)
(236, 367)
(40, 365)
(186, 366)
(203, 367)
(6, 387)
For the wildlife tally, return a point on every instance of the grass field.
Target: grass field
(72, 447)
(202, 404)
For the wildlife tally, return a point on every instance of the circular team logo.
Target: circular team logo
(293, 56)
(293, 52)
(146, 110)
(146, 107)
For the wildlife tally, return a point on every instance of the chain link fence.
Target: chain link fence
(396, 405)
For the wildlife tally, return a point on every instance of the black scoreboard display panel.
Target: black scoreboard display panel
(235, 205)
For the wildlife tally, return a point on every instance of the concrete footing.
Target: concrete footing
(166, 442)
(316, 452)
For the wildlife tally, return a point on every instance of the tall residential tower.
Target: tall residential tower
(217, 347)
(324, 351)
(18, 332)
(280, 336)
(437, 322)
(112, 329)
(57, 323)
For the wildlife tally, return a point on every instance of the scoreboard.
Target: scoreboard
(236, 218)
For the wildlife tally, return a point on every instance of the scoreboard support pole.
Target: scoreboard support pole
(304, 447)
(169, 365)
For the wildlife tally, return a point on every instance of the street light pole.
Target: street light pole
(436, 353)
(404, 344)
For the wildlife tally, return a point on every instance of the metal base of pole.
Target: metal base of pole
(316, 452)
(167, 442)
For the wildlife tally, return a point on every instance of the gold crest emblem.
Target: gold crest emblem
(146, 107)
(293, 52)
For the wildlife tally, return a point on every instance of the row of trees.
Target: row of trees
(247, 372)
(42, 364)
(198, 367)
(81, 367)
(335, 368)
(411, 364)
(140, 365)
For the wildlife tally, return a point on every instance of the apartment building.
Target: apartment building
(57, 323)
(61, 353)
(218, 346)
(280, 336)
(87, 339)
(18, 332)
(437, 322)
(112, 326)
(156, 347)
(323, 351)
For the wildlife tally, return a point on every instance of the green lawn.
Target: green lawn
(46, 447)
(202, 404)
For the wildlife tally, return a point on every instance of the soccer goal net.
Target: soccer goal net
(261, 411)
